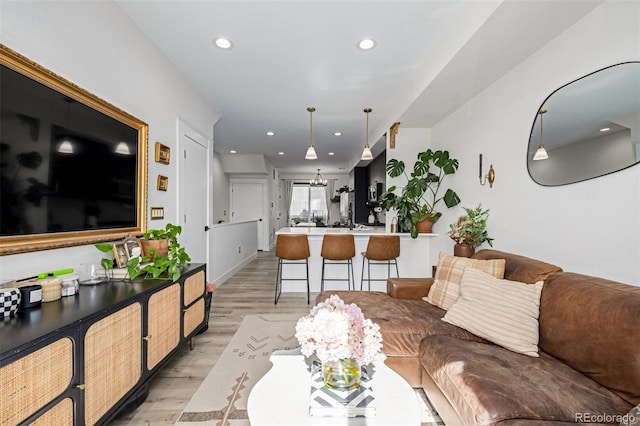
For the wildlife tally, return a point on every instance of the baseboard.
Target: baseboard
(228, 274)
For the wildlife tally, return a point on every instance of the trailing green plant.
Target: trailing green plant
(418, 199)
(153, 264)
(105, 262)
(170, 262)
(471, 229)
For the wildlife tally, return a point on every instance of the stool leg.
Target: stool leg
(322, 277)
(278, 282)
(353, 279)
(395, 261)
(369, 274)
(306, 261)
(364, 258)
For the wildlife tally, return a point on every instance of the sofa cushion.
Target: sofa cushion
(487, 384)
(502, 311)
(446, 283)
(593, 324)
(403, 323)
(519, 268)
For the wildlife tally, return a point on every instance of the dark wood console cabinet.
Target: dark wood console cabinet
(82, 359)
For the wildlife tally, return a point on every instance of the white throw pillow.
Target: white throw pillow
(501, 311)
(446, 283)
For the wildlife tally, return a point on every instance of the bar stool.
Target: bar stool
(338, 249)
(291, 249)
(381, 249)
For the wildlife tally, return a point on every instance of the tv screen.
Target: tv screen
(64, 166)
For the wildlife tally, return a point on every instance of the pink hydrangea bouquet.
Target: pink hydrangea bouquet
(335, 330)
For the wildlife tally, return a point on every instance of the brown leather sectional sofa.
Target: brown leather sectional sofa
(589, 345)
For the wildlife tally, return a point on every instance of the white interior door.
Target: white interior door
(247, 203)
(193, 208)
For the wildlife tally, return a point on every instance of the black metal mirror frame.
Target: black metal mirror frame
(534, 136)
(45, 241)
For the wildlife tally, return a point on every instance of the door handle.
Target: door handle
(260, 219)
(206, 228)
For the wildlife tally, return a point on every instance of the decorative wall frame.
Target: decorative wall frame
(163, 183)
(163, 153)
(41, 236)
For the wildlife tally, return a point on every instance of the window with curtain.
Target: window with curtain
(308, 204)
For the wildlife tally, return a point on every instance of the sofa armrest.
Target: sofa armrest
(408, 288)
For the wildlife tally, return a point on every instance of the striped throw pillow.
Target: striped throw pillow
(502, 311)
(446, 284)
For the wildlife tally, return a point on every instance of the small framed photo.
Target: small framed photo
(163, 153)
(133, 247)
(163, 183)
(120, 255)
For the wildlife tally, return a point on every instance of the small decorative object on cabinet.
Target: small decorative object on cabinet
(470, 231)
(342, 339)
(419, 197)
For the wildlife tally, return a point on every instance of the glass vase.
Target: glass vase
(342, 374)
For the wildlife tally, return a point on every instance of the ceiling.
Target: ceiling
(430, 57)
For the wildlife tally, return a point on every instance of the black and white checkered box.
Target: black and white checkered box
(9, 302)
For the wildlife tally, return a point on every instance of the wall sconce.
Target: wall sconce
(490, 177)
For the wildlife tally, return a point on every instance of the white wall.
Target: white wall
(591, 227)
(97, 47)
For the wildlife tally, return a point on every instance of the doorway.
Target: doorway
(193, 200)
(248, 203)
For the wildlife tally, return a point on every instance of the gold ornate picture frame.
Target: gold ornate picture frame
(163, 153)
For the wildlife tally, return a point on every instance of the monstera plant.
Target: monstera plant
(416, 202)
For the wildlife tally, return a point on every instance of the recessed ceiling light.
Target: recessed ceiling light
(366, 44)
(331, 153)
(281, 153)
(605, 129)
(223, 43)
(270, 133)
(233, 151)
(337, 134)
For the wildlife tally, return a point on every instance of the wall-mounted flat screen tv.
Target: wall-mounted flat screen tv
(67, 168)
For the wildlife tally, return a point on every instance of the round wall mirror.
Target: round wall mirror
(587, 128)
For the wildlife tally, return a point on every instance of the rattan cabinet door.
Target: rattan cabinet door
(163, 324)
(193, 287)
(29, 383)
(112, 360)
(193, 317)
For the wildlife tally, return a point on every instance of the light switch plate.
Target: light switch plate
(157, 213)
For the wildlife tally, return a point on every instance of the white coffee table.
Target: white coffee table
(281, 397)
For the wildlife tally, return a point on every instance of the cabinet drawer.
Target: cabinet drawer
(193, 317)
(31, 382)
(193, 287)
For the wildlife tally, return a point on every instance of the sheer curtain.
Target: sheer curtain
(288, 192)
(328, 193)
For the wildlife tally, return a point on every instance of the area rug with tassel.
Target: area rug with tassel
(222, 397)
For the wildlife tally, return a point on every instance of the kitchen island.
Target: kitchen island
(413, 260)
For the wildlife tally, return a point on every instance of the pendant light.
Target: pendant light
(311, 152)
(366, 152)
(318, 180)
(541, 153)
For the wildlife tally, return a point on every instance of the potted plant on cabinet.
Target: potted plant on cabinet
(470, 231)
(162, 253)
(416, 203)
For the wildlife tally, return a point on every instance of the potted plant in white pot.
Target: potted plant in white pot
(415, 205)
(470, 231)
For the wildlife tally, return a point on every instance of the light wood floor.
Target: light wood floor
(250, 291)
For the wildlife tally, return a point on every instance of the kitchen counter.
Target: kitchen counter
(413, 260)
